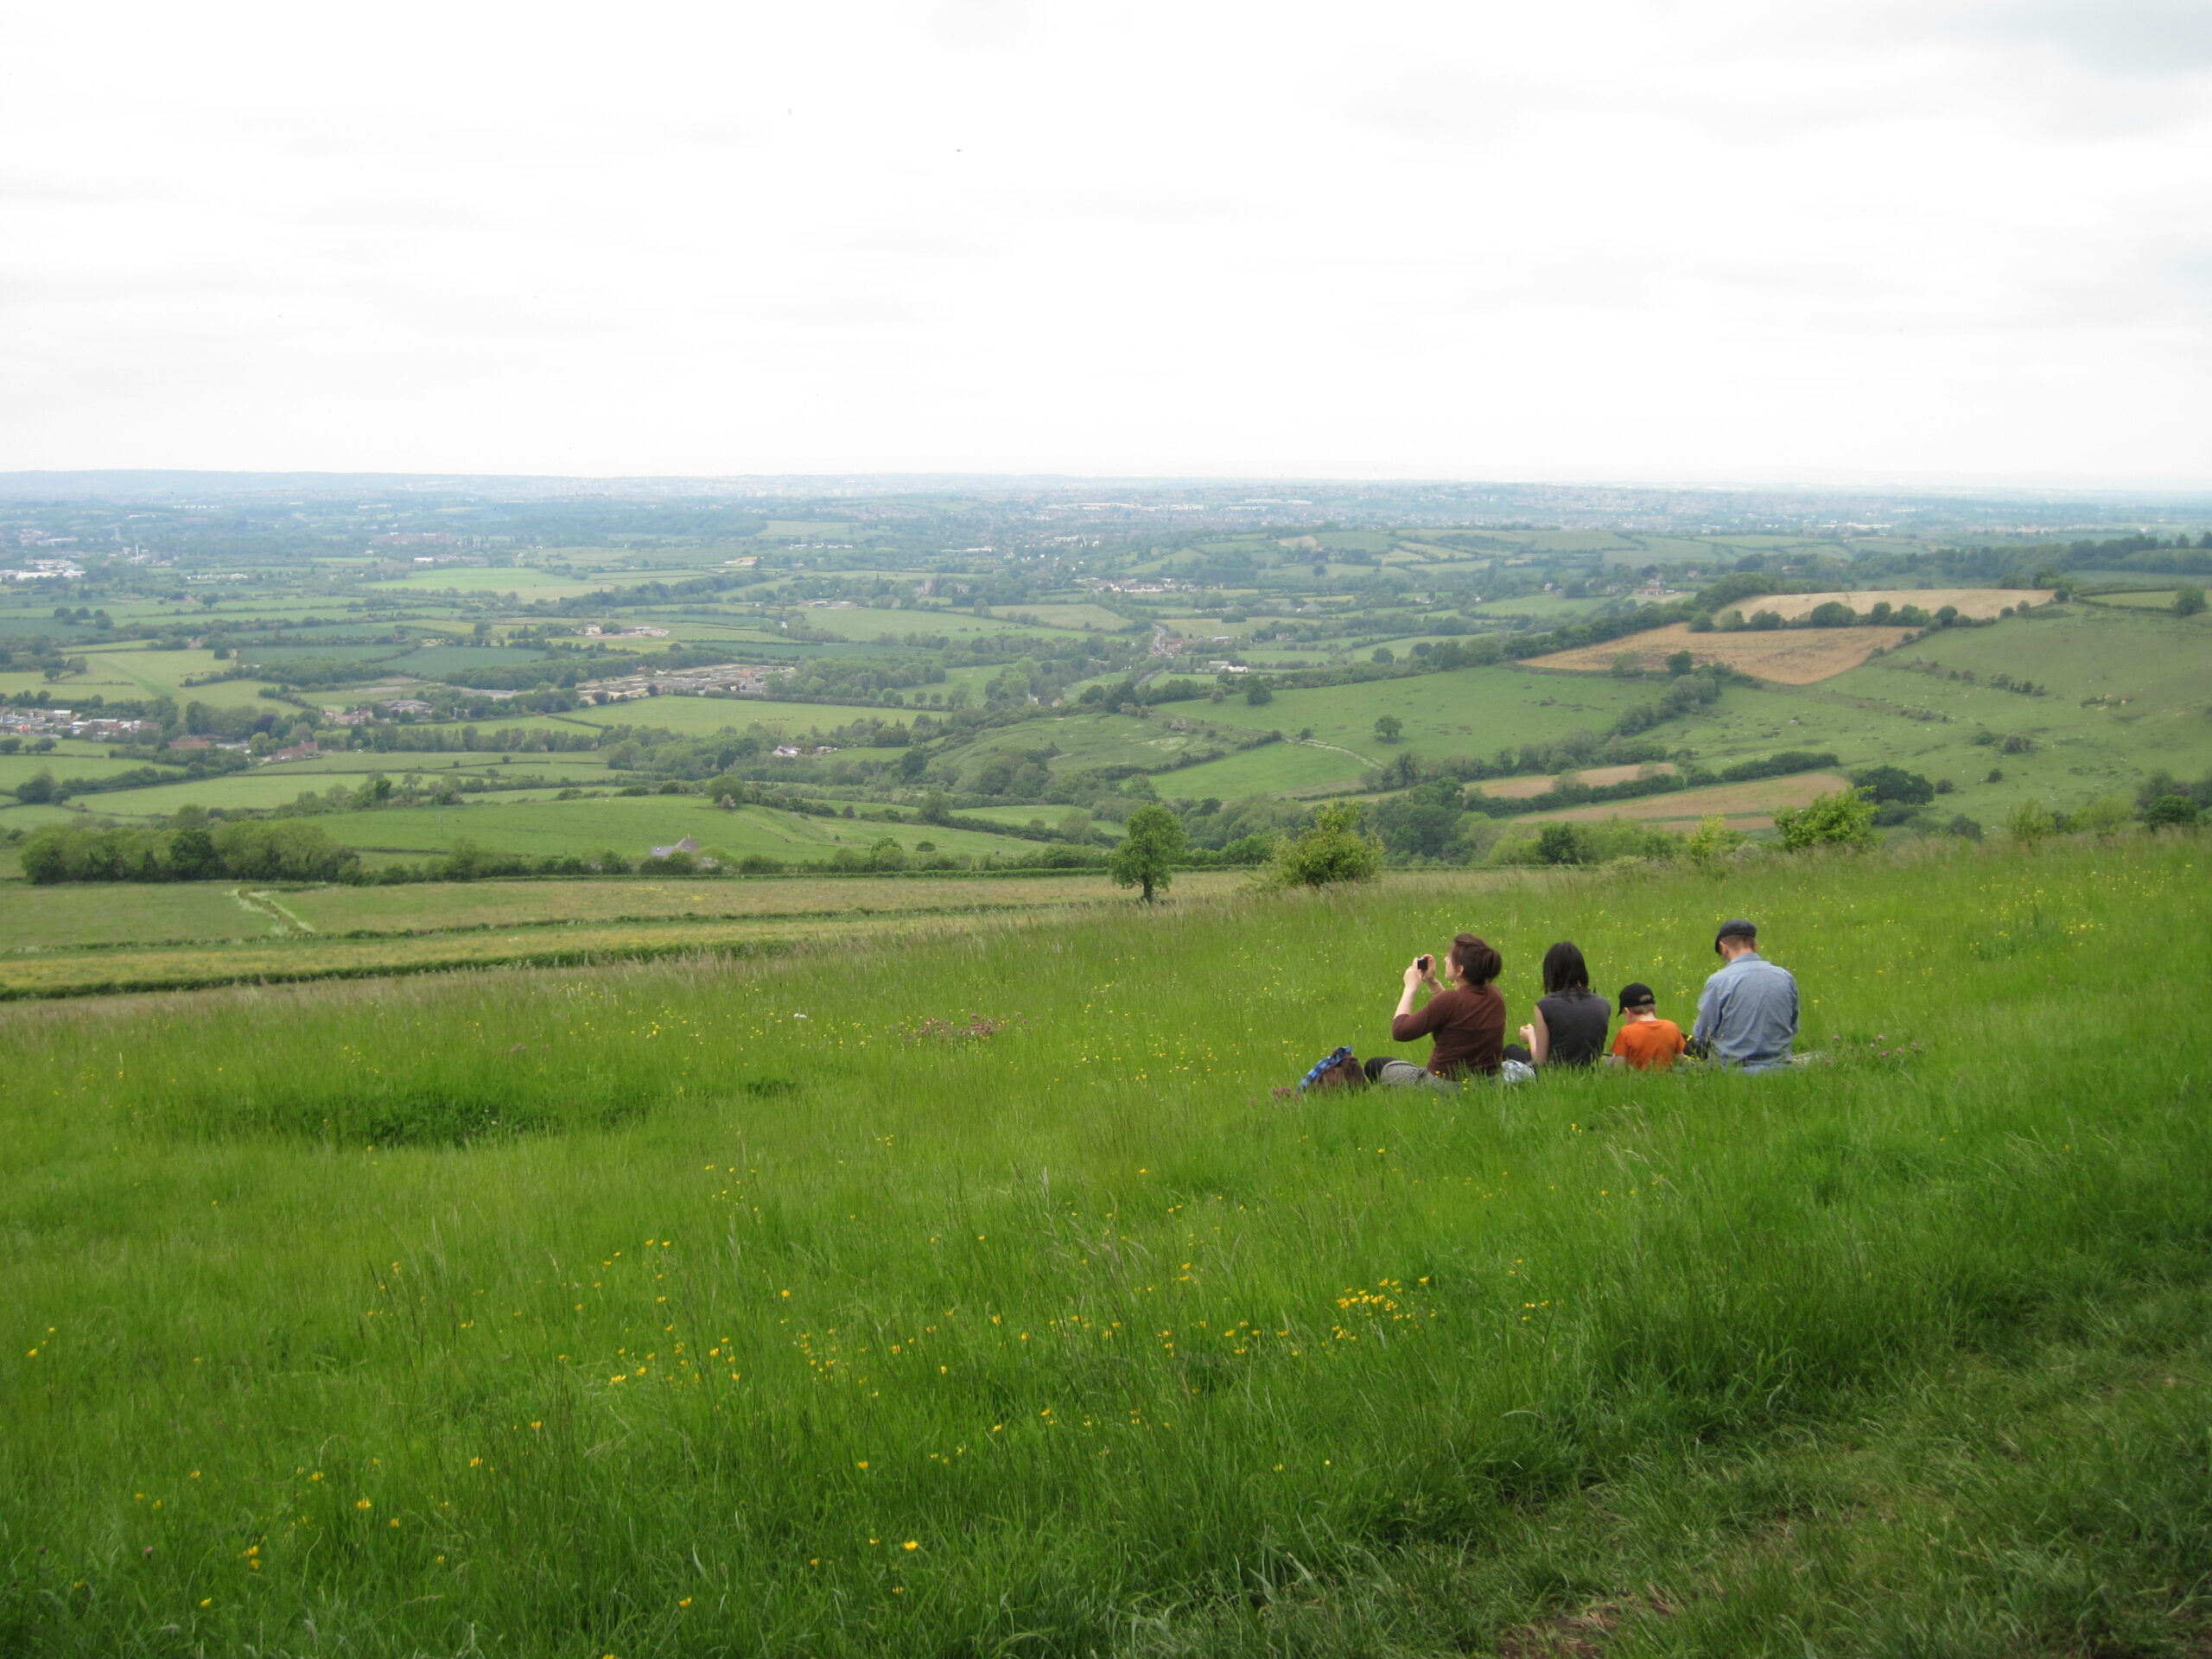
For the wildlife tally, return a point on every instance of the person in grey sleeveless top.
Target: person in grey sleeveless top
(1571, 1020)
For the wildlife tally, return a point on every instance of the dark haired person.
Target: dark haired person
(1571, 1020)
(1466, 1017)
(1747, 1014)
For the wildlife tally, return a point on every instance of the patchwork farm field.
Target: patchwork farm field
(1793, 656)
(1745, 806)
(626, 1311)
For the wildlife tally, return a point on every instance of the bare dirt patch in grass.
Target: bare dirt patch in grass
(1788, 657)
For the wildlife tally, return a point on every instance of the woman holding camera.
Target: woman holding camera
(1466, 1017)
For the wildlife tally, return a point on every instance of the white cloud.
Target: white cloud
(1679, 237)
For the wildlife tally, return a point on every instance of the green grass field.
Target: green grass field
(719, 1306)
(1268, 770)
(1473, 711)
(43, 919)
(2146, 599)
(630, 824)
(704, 716)
(2087, 742)
(91, 941)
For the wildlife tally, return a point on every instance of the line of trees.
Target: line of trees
(252, 850)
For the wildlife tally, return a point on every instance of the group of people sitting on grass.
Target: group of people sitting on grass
(1746, 1018)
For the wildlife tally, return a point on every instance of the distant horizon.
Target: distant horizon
(2108, 490)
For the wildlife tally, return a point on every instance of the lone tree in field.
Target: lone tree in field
(2190, 601)
(1389, 729)
(1147, 856)
(1843, 819)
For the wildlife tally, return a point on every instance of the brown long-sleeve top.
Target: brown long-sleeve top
(1469, 1026)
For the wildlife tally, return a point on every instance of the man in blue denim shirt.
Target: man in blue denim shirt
(1747, 1014)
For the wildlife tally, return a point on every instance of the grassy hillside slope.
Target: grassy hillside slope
(981, 1298)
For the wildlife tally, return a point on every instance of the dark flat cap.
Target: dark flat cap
(1735, 929)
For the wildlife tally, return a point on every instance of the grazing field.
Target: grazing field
(713, 1307)
(1274, 766)
(704, 716)
(44, 920)
(2142, 599)
(1794, 656)
(631, 824)
(1464, 711)
(441, 906)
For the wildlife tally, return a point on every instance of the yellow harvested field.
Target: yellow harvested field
(1521, 789)
(1746, 806)
(1788, 657)
(1980, 603)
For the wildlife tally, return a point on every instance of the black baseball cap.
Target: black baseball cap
(1735, 929)
(1636, 995)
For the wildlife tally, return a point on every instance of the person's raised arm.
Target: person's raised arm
(1416, 976)
(1406, 1026)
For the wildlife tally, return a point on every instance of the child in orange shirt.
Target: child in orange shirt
(1644, 1040)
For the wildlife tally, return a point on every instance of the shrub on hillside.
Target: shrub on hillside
(2105, 815)
(2032, 823)
(1843, 819)
(2170, 812)
(1886, 784)
(2190, 601)
(1332, 848)
(1566, 844)
(1714, 843)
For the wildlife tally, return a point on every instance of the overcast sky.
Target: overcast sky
(1656, 239)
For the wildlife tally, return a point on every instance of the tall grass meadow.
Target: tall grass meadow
(985, 1295)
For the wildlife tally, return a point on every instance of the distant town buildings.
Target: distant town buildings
(744, 679)
(63, 723)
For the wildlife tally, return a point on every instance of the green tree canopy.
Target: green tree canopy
(1843, 819)
(1332, 848)
(1147, 855)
